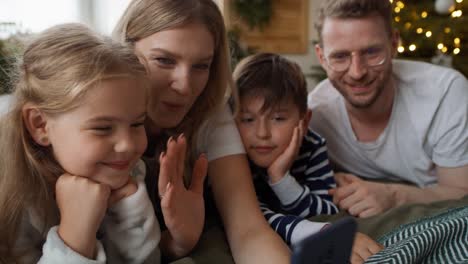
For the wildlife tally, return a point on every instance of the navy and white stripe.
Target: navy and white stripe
(313, 172)
(439, 239)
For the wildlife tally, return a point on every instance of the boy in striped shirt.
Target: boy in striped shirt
(289, 163)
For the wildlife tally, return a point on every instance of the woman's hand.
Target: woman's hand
(363, 248)
(283, 162)
(82, 204)
(183, 209)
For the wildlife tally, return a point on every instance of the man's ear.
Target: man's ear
(306, 119)
(320, 55)
(35, 121)
(395, 42)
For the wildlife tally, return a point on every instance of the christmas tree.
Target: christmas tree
(434, 31)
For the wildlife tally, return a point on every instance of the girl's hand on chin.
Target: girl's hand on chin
(82, 204)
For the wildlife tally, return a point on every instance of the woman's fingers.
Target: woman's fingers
(166, 166)
(172, 164)
(164, 177)
(181, 148)
(199, 174)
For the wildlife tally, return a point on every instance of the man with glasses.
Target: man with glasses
(386, 120)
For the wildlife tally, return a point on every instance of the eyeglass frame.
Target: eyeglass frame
(384, 59)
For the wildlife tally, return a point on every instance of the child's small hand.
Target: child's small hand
(283, 162)
(82, 204)
(363, 248)
(128, 189)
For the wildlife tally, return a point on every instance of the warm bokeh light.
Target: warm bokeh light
(428, 34)
(457, 13)
(412, 47)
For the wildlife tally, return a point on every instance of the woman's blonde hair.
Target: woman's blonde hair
(58, 67)
(144, 18)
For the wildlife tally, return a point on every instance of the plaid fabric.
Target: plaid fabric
(438, 239)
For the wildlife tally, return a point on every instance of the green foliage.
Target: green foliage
(255, 13)
(237, 49)
(10, 48)
(6, 66)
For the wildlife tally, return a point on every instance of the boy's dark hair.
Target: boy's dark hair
(273, 78)
(354, 9)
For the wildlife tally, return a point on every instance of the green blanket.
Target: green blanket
(213, 247)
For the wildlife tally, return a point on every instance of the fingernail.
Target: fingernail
(169, 140)
(162, 155)
(181, 136)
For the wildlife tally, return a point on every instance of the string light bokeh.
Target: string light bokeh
(431, 28)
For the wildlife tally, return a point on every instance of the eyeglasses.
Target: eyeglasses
(340, 61)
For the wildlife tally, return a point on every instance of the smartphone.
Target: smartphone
(329, 246)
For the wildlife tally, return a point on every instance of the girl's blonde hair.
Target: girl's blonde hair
(144, 18)
(58, 67)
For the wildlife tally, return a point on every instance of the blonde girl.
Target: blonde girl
(184, 42)
(71, 182)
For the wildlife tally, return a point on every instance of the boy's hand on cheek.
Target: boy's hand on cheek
(82, 204)
(284, 161)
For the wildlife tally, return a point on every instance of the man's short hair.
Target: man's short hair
(354, 9)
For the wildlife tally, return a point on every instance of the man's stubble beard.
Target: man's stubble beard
(369, 102)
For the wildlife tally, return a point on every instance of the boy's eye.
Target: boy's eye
(279, 118)
(246, 119)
